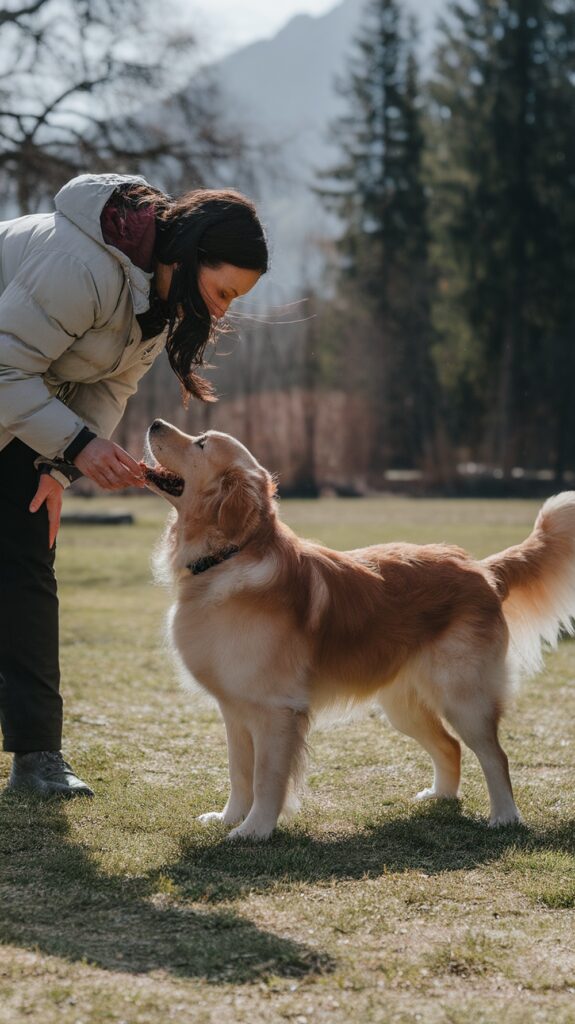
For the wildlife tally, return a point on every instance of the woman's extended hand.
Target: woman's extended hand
(108, 465)
(49, 491)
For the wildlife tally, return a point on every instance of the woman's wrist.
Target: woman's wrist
(63, 472)
(78, 444)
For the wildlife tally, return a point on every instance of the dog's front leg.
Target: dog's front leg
(279, 739)
(241, 765)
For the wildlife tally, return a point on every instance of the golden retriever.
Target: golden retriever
(277, 628)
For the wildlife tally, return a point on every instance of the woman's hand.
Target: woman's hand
(109, 466)
(49, 491)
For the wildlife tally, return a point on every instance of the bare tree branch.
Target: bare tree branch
(15, 17)
(84, 92)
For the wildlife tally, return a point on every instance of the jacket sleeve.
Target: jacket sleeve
(101, 405)
(52, 301)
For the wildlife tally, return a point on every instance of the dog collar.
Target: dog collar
(203, 564)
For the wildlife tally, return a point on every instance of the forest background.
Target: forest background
(430, 347)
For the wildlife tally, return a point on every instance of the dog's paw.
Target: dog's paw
(432, 794)
(426, 794)
(251, 832)
(212, 816)
(509, 818)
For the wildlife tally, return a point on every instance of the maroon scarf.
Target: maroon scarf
(131, 229)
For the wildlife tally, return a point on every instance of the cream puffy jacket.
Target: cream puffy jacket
(71, 349)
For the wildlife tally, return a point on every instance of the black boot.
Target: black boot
(46, 773)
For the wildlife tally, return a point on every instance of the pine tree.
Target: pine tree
(378, 192)
(505, 99)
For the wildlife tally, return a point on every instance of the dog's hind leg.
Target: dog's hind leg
(278, 736)
(409, 715)
(476, 722)
(472, 699)
(241, 767)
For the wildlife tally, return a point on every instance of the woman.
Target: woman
(89, 296)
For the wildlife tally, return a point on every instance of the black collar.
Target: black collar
(203, 564)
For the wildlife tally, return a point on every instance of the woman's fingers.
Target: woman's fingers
(49, 491)
(111, 478)
(41, 494)
(123, 470)
(130, 469)
(108, 465)
(54, 512)
(126, 459)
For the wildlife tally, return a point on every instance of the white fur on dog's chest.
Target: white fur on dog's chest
(233, 654)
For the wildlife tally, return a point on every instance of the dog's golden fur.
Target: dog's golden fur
(283, 628)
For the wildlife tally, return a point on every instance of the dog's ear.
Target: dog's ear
(241, 502)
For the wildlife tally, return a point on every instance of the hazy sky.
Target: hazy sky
(224, 25)
(228, 24)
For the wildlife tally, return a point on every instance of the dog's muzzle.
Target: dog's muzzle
(165, 480)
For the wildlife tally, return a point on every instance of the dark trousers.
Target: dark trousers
(30, 702)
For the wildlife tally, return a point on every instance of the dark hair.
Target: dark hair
(205, 227)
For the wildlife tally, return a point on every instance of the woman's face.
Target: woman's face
(220, 285)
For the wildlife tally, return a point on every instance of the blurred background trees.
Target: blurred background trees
(432, 326)
(503, 176)
(378, 192)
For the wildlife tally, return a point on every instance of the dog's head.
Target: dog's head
(213, 481)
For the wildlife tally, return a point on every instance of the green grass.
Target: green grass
(365, 908)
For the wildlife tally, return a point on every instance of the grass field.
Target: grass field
(365, 908)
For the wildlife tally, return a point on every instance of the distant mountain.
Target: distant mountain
(285, 85)
(283, 91)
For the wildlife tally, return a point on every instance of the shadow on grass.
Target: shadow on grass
(435, 838)
(54, 899)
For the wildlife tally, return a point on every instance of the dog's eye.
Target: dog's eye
(201, 442)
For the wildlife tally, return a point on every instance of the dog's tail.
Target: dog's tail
(536, 581)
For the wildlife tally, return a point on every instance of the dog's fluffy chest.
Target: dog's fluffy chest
(236, 653)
